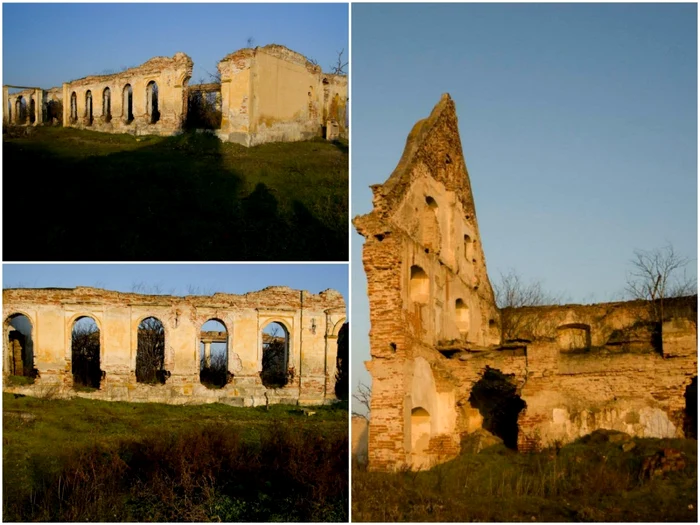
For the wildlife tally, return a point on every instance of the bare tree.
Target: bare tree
(513, 293)
(363, 395)
(339, 67)
(658, 275)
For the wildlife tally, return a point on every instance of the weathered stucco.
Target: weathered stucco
(272, 94)
(436, 332)
(267, 94)
(312, 321)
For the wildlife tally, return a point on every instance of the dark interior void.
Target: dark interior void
(690, 420)
(494, 395)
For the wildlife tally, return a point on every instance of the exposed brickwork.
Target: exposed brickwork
(435, 328)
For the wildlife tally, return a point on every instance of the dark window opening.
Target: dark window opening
(20, 348)
(342, 379)
(690, 419)
(107, 105)
(276, 372)
(85, 353)
(128, 104)
(213, 355)
(150, 352)
(152, 102)
(88, 108)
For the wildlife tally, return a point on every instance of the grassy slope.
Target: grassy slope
(166, 453)
(116, 197)
(583, 482)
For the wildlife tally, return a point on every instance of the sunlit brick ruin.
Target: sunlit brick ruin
(116, 346)
(447, 363)
(265, 94)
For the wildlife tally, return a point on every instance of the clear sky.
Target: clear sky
(179, 279)
(45, 45)
(578, 124)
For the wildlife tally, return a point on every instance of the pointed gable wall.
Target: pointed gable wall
(427, 284)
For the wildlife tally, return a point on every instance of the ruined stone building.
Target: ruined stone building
(266, 94)
(445, 362)
(167, 333)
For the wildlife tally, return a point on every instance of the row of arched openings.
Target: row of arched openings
(127, 104)
(150, 353)
(21, 113)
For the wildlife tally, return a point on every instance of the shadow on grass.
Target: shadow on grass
(170, 200)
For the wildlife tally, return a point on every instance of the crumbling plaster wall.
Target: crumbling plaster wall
(312, 321)
(171, 75)
(273, 94)
(577, 368)
(426, 284)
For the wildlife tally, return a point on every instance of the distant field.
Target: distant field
(98, 196)
(580, 482)
(83, 460)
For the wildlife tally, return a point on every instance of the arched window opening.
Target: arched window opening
(20, 349)
(495, 396)
(88, 107)
(420, 430)
(690, 419)
(462, 317)
(32, 110)
(107, 104)
(150, 352)
(429, 227)
(74, 108)
(213, 355)
(152, 102)
(85, 353)
(21, 110)
(128, 104)
(419, 286)
(9, 111)
(468, 248)
(276, 372)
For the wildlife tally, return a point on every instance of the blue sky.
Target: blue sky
(578, 124)
(179, 279)
(47, 44)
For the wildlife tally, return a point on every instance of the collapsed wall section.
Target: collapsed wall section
(311, 324)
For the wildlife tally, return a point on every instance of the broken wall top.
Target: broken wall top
(270, 297)
(275, 50)
(153, 66)
(434, 142)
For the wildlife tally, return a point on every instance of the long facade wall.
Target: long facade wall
(311, 320)
(435, 329)
(274, 94)
(109, 95)
(267, 94)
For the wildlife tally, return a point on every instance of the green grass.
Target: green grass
(20, 380)
(582, 482)
(190, 197)
(90, 460)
